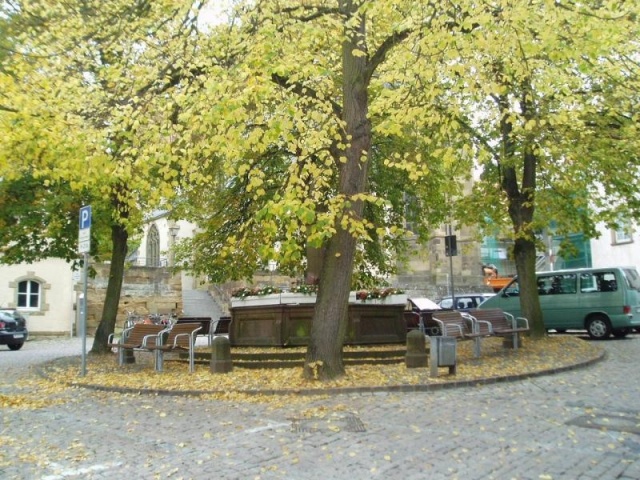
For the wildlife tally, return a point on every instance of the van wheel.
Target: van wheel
(598, 327)
(15, 346)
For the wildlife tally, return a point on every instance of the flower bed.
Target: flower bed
(306, 294)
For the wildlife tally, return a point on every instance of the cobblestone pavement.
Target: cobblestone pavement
(581, 424)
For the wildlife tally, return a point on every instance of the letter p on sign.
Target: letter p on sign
(85, 217)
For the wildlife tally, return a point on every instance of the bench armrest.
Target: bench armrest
(191, 335)
(511, 319)
(487, 330)
(479, 327)
(517, 323)
(123, 335)
(522, 322)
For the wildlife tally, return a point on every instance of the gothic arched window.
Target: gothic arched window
(153, 247)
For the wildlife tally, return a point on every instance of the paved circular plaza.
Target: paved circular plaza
(579, 424)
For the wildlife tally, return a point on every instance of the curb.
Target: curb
(340, 390)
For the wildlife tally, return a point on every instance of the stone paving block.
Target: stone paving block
(496, 431)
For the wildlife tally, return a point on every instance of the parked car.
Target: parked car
(13, 329)
(465, 302)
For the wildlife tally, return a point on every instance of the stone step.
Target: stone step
(199, 303)
(296, 358)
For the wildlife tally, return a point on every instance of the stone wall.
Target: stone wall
(145, 290)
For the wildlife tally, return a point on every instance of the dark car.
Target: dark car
(13, 329)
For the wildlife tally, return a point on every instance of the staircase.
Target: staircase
(199, 303)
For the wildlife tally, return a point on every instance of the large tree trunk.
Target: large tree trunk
(525, 257)
(119, 238)
(521, 206)
(324, 354)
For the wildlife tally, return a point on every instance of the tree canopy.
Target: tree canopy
(322, 126)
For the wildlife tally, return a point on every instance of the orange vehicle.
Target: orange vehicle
(492, 279)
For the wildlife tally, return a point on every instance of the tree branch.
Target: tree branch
(317, 12)
(378, 57)
(304, 91)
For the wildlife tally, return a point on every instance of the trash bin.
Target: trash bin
(443, 354)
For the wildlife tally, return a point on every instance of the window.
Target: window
(622, 235)
(598, 282)
(153, 247)
(29, 294)
(557, 284)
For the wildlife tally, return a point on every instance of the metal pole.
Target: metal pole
(453, 292)
(83, 320)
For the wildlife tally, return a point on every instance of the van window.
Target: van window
(632, 278)
(598, 282)
(557, 284)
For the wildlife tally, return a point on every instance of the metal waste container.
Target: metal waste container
(443, 354)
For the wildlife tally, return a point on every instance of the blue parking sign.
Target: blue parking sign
(85, 217)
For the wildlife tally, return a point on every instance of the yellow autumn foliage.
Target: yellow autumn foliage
(260, 384)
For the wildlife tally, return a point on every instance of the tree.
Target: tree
(91, 114)
(292, 121)
(532, 93)
(501, 84)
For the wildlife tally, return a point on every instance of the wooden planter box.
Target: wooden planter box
(281, 325)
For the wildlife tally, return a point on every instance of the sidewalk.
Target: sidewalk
(577, 424)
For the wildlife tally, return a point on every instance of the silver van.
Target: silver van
(603, 301)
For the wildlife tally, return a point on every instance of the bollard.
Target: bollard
(416, 355)
(443, 354)
(220, 355)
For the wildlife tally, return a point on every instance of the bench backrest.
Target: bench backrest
(222, 326)
(181, 334)
(135, 336)
(454, 324)
(204, 322)
(495, 316)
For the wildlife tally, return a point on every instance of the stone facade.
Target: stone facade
(427, 270)
(145, 290)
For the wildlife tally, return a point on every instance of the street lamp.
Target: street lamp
(272, 268)
(173, 233)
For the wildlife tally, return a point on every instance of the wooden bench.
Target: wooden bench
(138, 337)
(180, 337)
(502, 324)
(461, 326)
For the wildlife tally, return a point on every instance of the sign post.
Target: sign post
(84, 246)
(451, 250)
